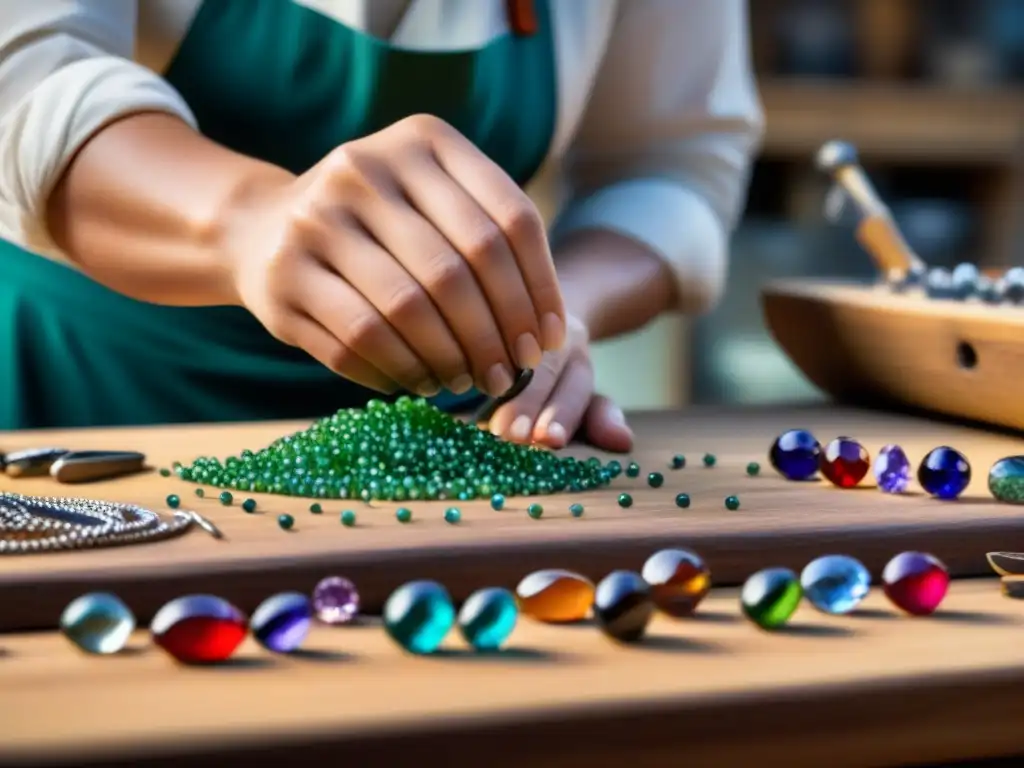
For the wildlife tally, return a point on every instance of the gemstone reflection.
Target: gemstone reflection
(419, 615)
(556, 596)
(488, 617)
(623, 606)
(98, 622)
(679, 581)
(199, 629)
(835, 584)
(915, 582)
(335, 600)
(282, 622)
(770, 597)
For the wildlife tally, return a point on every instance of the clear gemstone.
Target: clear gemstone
(336, 600)
(892, 469)
(98, 623)
(835, 584)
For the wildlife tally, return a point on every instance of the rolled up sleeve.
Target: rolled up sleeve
(664, 149)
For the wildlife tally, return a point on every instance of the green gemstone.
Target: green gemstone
(165, 472)
(678, 461)
(497, 501)
(173, 501)
(286, 522)
(200, 492)
(576, 510)
(732, 503)
(249, 505)
(226, 498)
(403, 514)
(753, 469)
(536, 511)
(348, 518)
(633, 470)
(614, 468)
(316, 509)
(683, 500)
(1006, 480)
(655, 479)
(452, 515)
(709, 460)
(770, 597)
(625, 500)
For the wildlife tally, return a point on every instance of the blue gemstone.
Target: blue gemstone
(488, 617)
(892, 469)
(944, 473)
(419, 615)
(794, 454)
(835, 583)
(281, 623)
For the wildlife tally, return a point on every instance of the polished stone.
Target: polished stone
(1006, 563)
(794, 455)
(555, 596)
(915, 582)
(1006, 480)
(419, 615)
(944, 473)
(679, 581)
(98, 622)
(844, 462)
(835, 584)
(623, 606)
(335, 600)
(282, 622)
(964, 279)
(892, 469)
(199, 629)
(87, 466)
(770, 597)
(488, 617)
(32, 462)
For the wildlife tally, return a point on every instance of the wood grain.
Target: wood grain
(873, 689)
(779, 523)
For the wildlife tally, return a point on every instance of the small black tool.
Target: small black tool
(523, 379)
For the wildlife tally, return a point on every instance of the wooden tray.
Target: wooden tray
(779, 523)
(870, 689)
(865, 345)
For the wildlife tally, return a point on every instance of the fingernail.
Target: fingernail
(521, 428)
(499, 380)
(552, 331)
(617, 417)
(428, 388)
(556, 432)
(461, 384)
(528, 352)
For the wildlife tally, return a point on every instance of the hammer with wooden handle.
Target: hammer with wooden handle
(876, 231)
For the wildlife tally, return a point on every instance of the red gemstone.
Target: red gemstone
(844, 462)
(199, 629)
(915, 582)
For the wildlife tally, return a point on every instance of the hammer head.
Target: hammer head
(834, 156)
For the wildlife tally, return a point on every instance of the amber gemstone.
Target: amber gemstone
(679, 580)
(844, 462)
(556, 596)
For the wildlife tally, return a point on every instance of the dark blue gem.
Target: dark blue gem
(794, 454)
(944, 473)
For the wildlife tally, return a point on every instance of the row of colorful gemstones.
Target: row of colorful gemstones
(418, 616)
(944, 472)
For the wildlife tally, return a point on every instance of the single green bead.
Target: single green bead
(226, 498)
(753, 469)
(348, 518)
(655, 479)
(709, 460)
(683, 500)
(576, 510)
(249, 505)
(536, 511)
(200, 492)
(452, 515)
(173, 501)
(678, 461)
(285, 521)
(403, 514)
(614, 468)
(165, 473)
(625, 500)
(732, 503)
(633, 470)
(316, 509)
(497, 502)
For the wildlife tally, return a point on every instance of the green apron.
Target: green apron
(284, 83)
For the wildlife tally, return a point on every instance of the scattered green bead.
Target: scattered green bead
(709, 460)
(315, 508)
(348, 518)
(614, 468)
(452, 515)
(732, 503)
(286, 522)
(200, 492)
(165, 472)
(655, 479)
(678, 461)
(173, 501)
(497, 502)
(403, 514)
(226, 498)
(753, 469)
(683, 500)
(633, 470)
(249, 505)
(536, 511)
(625, 500)
(576, 510)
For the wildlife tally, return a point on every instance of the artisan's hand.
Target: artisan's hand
(405, 259)
(561, 401)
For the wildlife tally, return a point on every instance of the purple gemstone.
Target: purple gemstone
(892, 469)
(335, 600)
(282, 622)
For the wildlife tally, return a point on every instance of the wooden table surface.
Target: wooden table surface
(779, 523)
(876, 688)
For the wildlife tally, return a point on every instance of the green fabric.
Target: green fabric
(282, 82)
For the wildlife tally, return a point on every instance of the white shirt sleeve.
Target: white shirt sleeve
(664, 148)
(65, 73)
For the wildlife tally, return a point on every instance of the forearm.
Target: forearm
(144, 206)
(612, 283)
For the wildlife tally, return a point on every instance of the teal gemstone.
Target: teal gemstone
(488, 617)
(633, 470)
(709, 460)
(753, 469)
(497, 502)
(614, 468)
(536, 511)
(286, 522)
(226, 498)
(348, 518)
(165, 473)
(98, 622)
(655, 479)
(200, 492)
(403, 514)
(683, 500)
(249, 505)
(732, 503)
(173, 501)
(678, 461)
(452, 515)
(770, 597)
(576, 510)
(418, 616)
(1006, 480)
(316, 509)
(625, 500)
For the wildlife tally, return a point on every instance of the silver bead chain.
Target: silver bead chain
(50, 523)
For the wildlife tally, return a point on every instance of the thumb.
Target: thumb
(605, 426)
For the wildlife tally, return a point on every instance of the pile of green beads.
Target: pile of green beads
(406, 450)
